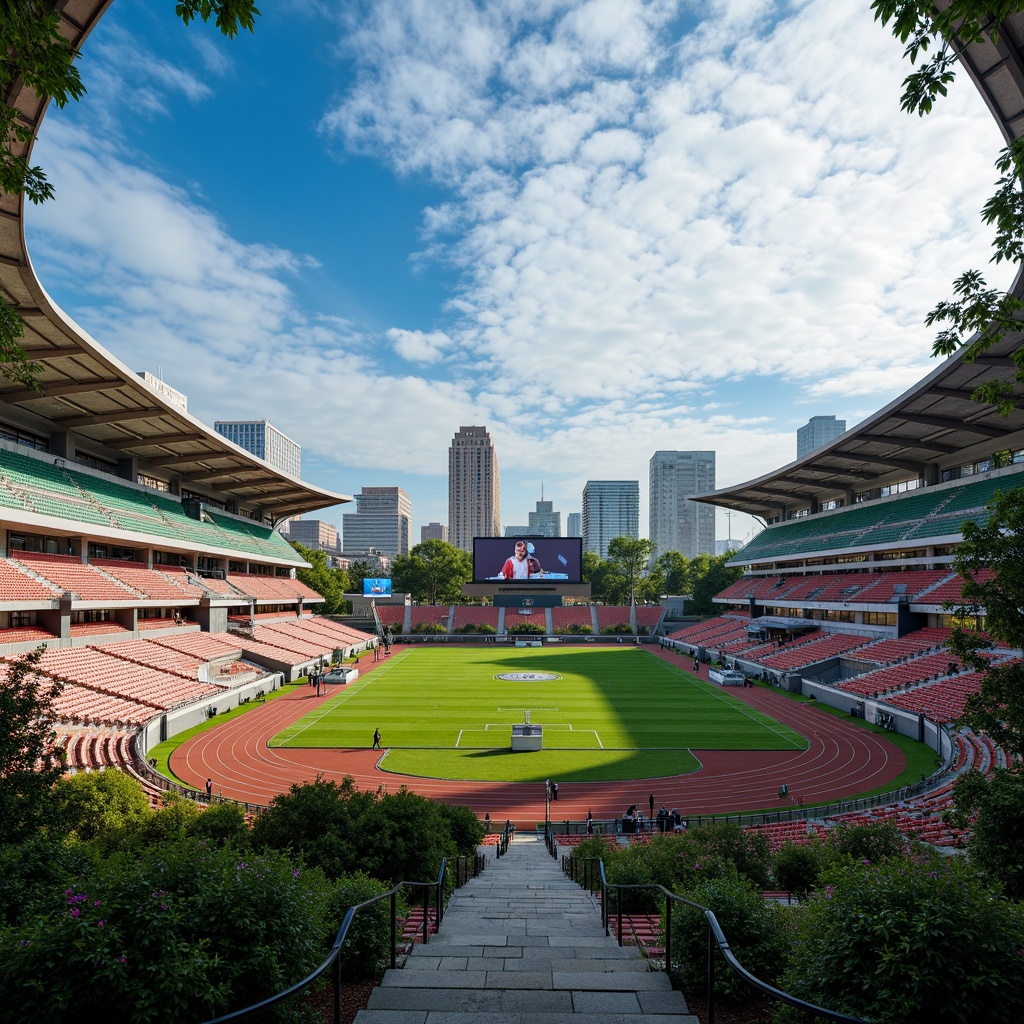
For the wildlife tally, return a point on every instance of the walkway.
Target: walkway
(519, 941)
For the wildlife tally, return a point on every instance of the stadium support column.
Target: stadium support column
(756, 611)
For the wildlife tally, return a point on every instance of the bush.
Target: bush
(429, 627)
(874, 842)
(183, 933)
(619, 628)
(910, 939)
(367, 948)
(756, 932)
(797, 867)
(576, 629)
(528, 629)
(748, 852)
(464, 828)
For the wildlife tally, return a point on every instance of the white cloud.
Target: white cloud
(418, 346)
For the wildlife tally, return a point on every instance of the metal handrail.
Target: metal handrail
(333, 958)
(716, 939)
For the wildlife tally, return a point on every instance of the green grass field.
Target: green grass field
(621, 714)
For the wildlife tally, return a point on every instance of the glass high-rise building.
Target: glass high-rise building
(676, 523)
(264, 441)
(474, 488)
(382, 521)
(545, 522)
(572, 525)
(818, 431)
(611, 508)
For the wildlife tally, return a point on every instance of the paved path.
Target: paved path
(525, 942)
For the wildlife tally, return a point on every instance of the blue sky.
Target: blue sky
(600, 229)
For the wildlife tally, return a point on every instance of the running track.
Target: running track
(842, 761)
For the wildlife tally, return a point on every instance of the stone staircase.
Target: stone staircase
(522, 940)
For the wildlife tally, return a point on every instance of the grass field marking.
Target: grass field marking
(747, 712)
(328, 707)
(458, 739)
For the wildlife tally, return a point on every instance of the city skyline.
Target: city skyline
(554, 247)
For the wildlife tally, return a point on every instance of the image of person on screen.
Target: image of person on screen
(518, 566)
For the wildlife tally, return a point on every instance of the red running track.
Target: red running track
(842, 760)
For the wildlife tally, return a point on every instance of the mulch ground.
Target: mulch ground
(354, 997)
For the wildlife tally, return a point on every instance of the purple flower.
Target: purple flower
(75, 912)
(296, 873)
(100, 923)
(829, 889)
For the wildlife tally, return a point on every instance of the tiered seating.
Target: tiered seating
(942, 702)
(888, 586)
(68, 573)
(91, 707)
(337, 632)
(707, 633)
(898, 677)
(150, 583)
(207, 646)
(472, 615)
(800, 833)
(153, 655)
(25, 635)
(17, 585)
(265, 588)
(302, 645)
(885, 652)
(951, 590)
(649, 616)
(159, 623)
(514, 619)
(611, 615)
(96, 669)
(431, 615)
(96, 629)
(571, 615)
(215, 586)
(821, 647)
(394, 615)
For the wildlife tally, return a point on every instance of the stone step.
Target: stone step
(525, 942)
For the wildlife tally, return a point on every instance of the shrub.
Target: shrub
(873, 842)
(528, 629)
(748, 852)
(367, 946)
(619, 628)
(756, 932)
(797, 866)
(183, 933)
(464, 828)
(910, 939)
(429, 627)
(576, 629)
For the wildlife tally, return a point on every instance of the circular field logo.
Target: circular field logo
(527, 677)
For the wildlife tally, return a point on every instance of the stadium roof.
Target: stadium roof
(935, 424)
(86, 389)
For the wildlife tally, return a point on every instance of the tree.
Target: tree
(331, 584)
(30, 763)
(630, 556)
(357, 572)
(709, 576)
(990, 560)
(35, 54)
(676, 567)
(976, 309)
(433, 572)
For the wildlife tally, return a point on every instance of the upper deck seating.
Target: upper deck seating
(69, 574)
(150, 583)
(25, 635)
(17, 585)
(926, 512)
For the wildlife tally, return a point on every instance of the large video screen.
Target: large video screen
(376, 587)
(527, 559)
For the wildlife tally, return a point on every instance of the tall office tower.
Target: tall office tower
(545, 522)
(382, 521)
(474, 489)
(265, 441)
(572, 525)
(677, 524)
(818, 431)
(611, 508)
(315, 534)
(433, 531)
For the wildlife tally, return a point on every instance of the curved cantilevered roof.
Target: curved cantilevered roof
(87, 390)
(935, 424)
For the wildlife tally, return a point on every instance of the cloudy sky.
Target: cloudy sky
(598, 228)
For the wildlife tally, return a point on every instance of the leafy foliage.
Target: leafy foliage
(995, 809)
(977, 316)
(331, 584)
(29, 762)
(910, 939)
(755, 929)
(183, 933)
(433, 572)
(629, 556)
(991, 561)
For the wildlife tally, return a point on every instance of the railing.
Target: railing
(334, 956)
(506, 837)
(591, 871)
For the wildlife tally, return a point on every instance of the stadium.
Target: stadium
(140, 551)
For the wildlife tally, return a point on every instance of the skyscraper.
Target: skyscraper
(545, 522)
(474, 489)
(611, 508)
(264, 441)
(314, 533)
(433, 531)
(677, 524)
(818, 431)
(572, 524)
(382, 521)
